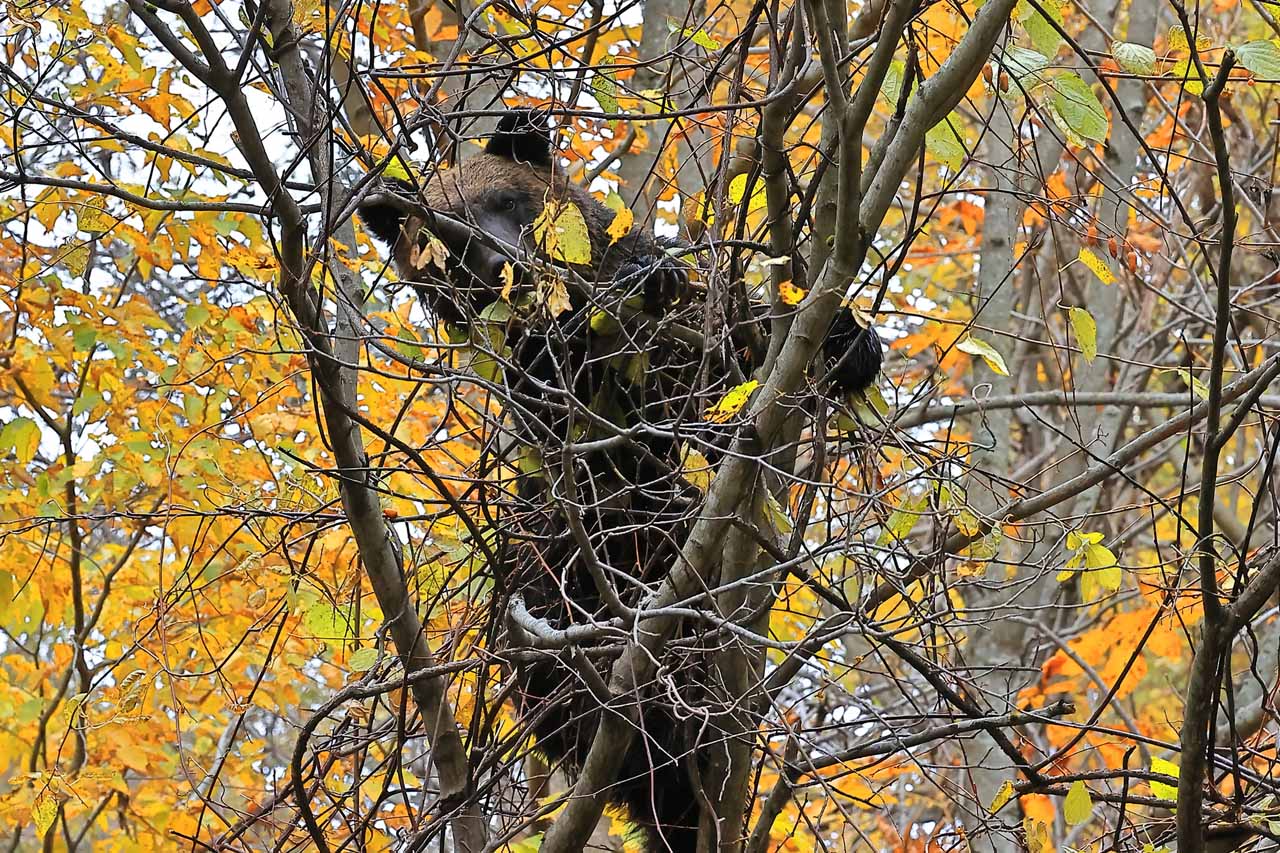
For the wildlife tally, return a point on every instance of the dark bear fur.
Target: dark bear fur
(632, 502)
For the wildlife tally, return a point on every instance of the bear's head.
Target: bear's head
(483, 210)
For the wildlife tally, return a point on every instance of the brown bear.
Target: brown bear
(588, 533)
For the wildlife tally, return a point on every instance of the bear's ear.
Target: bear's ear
(523, 136)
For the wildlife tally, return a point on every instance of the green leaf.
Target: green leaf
(84, 337)
(988, 353)
(532, 844)
(1134, 58)
(496, 312)
(891, 85)
(363, 660)
(325, 622)
(561, 230)
(88, 400)
(196, 316)
(1023, 62)
(1086, 331)
(1262, 58)
(903, 519)
(1197, 386)
(605, 90)
(1040, 28)
(777, 515)
(1079, 107)
(22, 436)
(944, 143)
(1078, 807)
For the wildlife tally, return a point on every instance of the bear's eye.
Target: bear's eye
(508, 204)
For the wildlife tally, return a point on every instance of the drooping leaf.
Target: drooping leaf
(1044, 35)
(605, 90)
(1086, 331)
(988, 353)
(1195, 383)
(777, 515)
(1002, 797)
(1097, 265)
(891, 85)
(1184, 71)
(1077, 808)
(621, 225)
(44, 811)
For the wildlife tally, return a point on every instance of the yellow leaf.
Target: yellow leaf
(1178, 39)
(1086, 331)
(508, 277)
(562, 232)
(1003, 796)
(621, 225)
(699, 37)
(1078, 807)
(790, 294)
(695, 468)
(989, 354)
(604, 324)
(1097, 265)
(738, 189)
(1037, 832)
(1161, 789)
(43, 811)
(75, 258)
(731, 403)
(92, 217)
(1186, 73)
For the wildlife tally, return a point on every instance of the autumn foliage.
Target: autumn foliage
(1019, 595)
